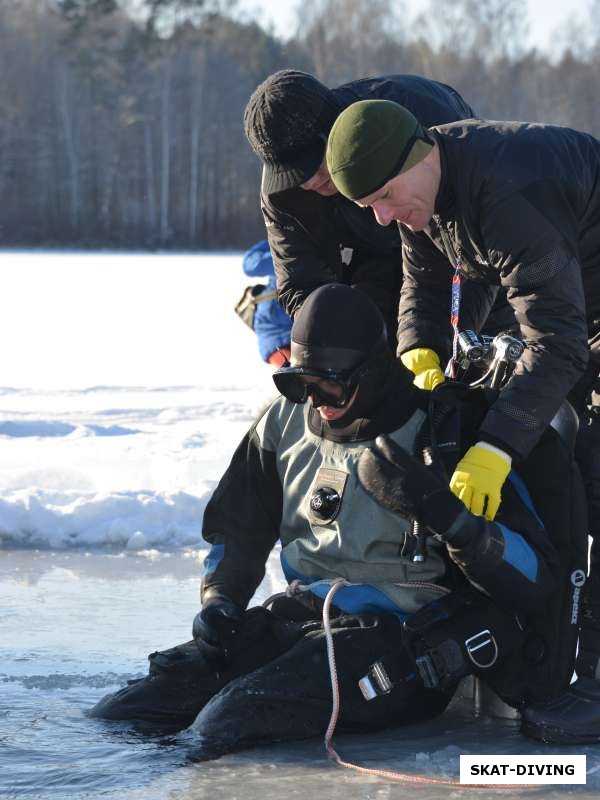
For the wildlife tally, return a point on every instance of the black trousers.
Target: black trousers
(277, 686)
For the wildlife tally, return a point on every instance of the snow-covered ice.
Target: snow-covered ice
(127, 383)
(126, 468)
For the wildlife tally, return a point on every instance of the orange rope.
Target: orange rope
(392, 775)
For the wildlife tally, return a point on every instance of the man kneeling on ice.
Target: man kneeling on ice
(355, 485)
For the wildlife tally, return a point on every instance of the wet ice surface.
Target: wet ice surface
(76, 625)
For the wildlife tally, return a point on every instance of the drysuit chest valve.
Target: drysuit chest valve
(324, 502)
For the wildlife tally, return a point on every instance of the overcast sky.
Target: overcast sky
(545, 16)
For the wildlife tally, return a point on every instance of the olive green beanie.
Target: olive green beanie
(370, 143)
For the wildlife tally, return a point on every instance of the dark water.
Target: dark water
(73, 627)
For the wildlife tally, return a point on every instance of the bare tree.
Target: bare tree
(489, 29)
(346, 39)
(123, 132)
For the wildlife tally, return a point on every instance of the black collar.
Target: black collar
(445, 201)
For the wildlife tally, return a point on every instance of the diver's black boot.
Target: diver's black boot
(574, 716)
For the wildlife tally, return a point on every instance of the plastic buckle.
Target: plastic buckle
(482, 639)
(428, 671)
(376, 682)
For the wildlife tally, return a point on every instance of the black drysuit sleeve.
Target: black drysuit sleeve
(512, 559)
(243, 517)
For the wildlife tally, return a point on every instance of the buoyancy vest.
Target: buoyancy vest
(548, 480)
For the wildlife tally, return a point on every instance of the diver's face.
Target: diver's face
(334, 390)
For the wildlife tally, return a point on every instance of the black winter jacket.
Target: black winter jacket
(316, 240)
(520, 205)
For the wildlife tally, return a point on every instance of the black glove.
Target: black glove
(402, 484)
(216, 626)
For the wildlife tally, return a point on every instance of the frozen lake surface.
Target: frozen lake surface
(78, 624)
(125, 384)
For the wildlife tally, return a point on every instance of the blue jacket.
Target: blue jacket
(271, 324)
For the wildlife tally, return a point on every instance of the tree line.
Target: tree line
(121, 120)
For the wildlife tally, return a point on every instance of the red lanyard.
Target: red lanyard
(455, 313)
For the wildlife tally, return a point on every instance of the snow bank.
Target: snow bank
(131, 520)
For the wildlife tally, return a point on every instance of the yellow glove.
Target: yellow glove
(479, 477)
(425, 365)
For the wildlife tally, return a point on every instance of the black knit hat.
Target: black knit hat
(287, 121)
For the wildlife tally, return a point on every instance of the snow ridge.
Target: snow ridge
(36, 518)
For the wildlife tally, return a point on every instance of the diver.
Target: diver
(348, 469)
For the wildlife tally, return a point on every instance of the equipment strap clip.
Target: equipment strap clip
(482, 658)
(376, 682)
(441, 665)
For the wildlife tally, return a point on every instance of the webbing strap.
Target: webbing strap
(260, 298)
